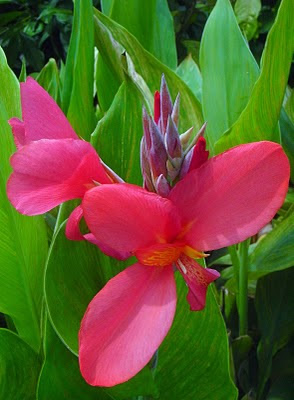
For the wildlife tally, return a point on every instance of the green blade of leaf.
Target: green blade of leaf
(107, 32)
(203, 371)
(247, 12)
(151, 22)
(77, 96)
(188, 70)
(60, 376)
(275, 251)
(287, 136)
(118, 135)
(274, 304)
(19, 370)
(74, 274)
(228, 69)
(23, 241)
(48, 78)
(259, 120)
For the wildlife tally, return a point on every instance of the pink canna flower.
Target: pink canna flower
(227, 199)
(52, 165)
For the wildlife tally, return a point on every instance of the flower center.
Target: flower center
(162, 254)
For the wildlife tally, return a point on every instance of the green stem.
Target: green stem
(243, 287)
(60, 218)
(235, 262)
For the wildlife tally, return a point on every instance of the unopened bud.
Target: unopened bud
(145, 168)
(175, 111)
(146, 129)
(162, 186)
(198, 135)
(195, 157)
(157, 154)
(172, 140)
(156, 106)
(165, 104)
(185, 137)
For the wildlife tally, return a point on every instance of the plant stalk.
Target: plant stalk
(243, 287)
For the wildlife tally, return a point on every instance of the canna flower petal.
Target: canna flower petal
(72, 232)
(197, 279)
(49, 172)
(125, 323)
(126, 217)
(233, 195)
(42, 118)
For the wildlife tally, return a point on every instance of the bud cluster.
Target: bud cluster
(167, 156)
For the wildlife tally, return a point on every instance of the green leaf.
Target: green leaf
(259, 120)
(287, 138)
(77, 96)
(274, 303)
(23, 241)
(247, 12)
(60, 376)
(23, 72)
(118, 135)
(107, 32)
(203, 371)
(151, 22)
(19, 368)
(188, 70)
(289, 104)
(75, 272)
(48, 78)
(275, 251)
(228, 69)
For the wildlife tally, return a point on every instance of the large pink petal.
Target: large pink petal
(42, 117)
(49, 172)
(232, 196)
(125, 323)
(197, 279)
(72, 232)
(126, 217)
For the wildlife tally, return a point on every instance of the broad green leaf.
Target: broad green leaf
(259, 120)
(118, 135)
(247, 12)
(75, 272)
(193, 360)
(289, 104)
(287, 138)
(19, 368)
(274, 303)
(228, 69)
(107, 32)
(23, 242)
(60, 376)
(48, 78)
(150, 21)
(275, 251)
(188, 70)
(77, 96)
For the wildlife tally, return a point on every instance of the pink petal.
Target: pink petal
(119, 255)
(18, 130)
(197, 279)
(72, 229)
(42, 117)
(125, 323)
(49, 172)
(232, 196)
(72, 232)
(200, 154)
(126, 217)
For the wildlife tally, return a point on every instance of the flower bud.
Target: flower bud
(166, 106)
(172, 140)
(162, 186)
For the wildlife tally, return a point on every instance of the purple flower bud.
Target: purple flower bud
(162, 186)
(172, 140)
(185, 137)
(157, 153)
(145, 168)
(198, 135)
(146, 129)
(166, 106)
(175, 111)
